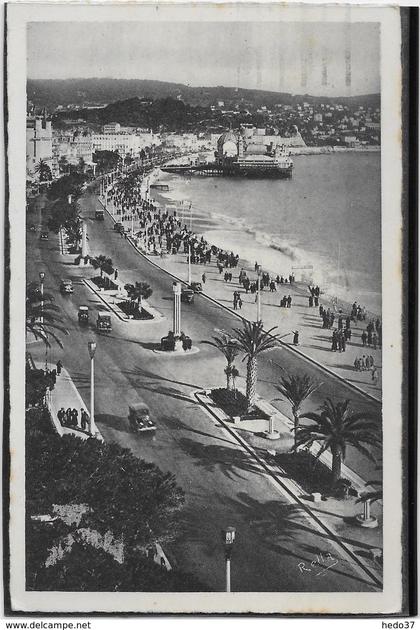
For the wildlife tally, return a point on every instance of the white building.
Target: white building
(124, 143)
(39, 145)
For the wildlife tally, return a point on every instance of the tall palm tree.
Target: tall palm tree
(229, 347)
(296, 388)
(43, 171)
(42, 316)
(103, 263)
(137, 292)
(336, 426)
(253, 341)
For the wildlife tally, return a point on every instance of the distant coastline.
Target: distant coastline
(327, 150)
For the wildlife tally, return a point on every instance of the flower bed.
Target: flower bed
(233, 403)
(105, 283)
(136, 313)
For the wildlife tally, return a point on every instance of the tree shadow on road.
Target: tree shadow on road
(141, 372)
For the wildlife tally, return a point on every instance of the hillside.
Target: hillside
(83, 92)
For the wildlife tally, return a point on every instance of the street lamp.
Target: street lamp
(91, 349)
(228, 537)
(41, 280)
(259, 269)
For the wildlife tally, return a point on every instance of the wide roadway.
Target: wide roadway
(223, 484)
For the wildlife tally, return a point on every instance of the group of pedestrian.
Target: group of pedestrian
(328, 317)
(70, 418)
(372, 336)
(286, 301)
(228, 276)
(363, 363)
(237, 300)
(338, 340)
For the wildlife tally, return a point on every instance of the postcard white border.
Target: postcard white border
(387, 602)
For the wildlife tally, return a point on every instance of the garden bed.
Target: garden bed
(233, 403)
(127, 308)
(105, 283)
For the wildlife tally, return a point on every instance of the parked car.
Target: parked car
(103, 322)
(99, 215)
(139, 418)
(83, 314)
(44, 236)
(32, 227)
(118, 227)
(66, 286)
(187, 296)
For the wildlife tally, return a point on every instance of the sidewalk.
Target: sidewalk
(65, 394)
(314, 341)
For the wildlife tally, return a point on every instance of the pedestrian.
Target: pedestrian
(316, 300)
(59, 366)
(115, 273)
(289, 301)
(369, 338)
(61, 415)
(203, 278)
(375, 340)
(239, 303)
(83, 420)
(311, 301)
(74, 417)
(68, 417)
(357, 364)
(295, 337)
(371, 361)
(334, 341)
(374, 375)
(364, 338)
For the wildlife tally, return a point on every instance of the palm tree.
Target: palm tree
(335, 427)
(137, 292)
(42, 316)
(43, 171)
(103, 263)
(253, 341)
(229, 347)
(296, 388)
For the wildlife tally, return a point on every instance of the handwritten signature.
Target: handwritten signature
(319, 565)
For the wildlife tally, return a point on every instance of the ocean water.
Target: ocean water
(324, 224)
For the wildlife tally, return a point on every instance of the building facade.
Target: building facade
(39, 145)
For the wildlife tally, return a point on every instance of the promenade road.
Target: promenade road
(223, 485)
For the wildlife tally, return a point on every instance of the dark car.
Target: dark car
(187, 296)
(44, 236)
(118, 227)
(32, 227)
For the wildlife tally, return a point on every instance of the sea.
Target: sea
(323, 224)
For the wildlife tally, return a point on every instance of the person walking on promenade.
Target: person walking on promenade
(59, 367)
(235, 301)
(68, 417)
(289, 301)
(371, 361)
(321, 310)
(256, 266)
(375, 340)
(369, 338)
(357, 364)
(364, 338)
(316, 300)
(240, 302)
(115, 273)
(61, 416)
(295, 337)
(311, 301)
(334, 341)
(348, 322)
(343, 343)
(272, 286)
(203, 278)
(364, 362)
(74, 417)
(83, 420)
(374, 373)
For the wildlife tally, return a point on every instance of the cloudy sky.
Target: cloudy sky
(315, 58)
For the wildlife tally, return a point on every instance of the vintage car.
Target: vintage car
(66, 287)
(187, 296)
(139, 418)
(31, 227)
(83, 314)
(99, 215)
(103, 322)
(44, 236)
(196, 287)
(118, 227)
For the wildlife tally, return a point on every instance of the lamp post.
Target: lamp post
(41, 281)
(259, 269)
(228, 537)
(91, 349)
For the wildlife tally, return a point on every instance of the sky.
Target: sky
(323, 59)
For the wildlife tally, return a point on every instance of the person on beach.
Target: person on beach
(59, 367)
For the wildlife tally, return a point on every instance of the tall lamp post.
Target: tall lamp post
(259, 269)
(228, 537)
(91, 349)
(41, 283)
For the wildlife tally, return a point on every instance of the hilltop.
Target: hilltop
(51, 93)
